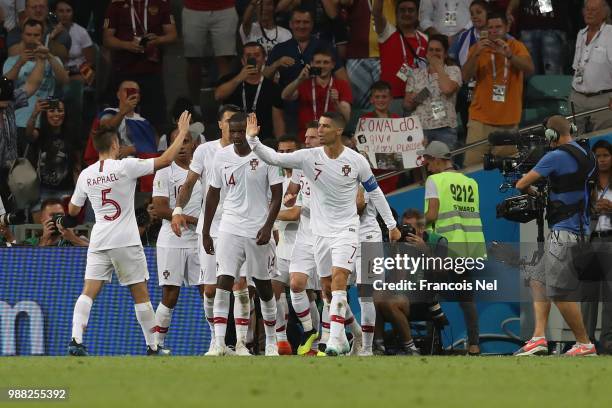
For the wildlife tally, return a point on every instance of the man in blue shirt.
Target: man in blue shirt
(567, 168)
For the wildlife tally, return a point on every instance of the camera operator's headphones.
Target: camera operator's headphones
(552, 135)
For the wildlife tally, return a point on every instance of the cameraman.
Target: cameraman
(567, 168)
(54, 234)
(6, 236)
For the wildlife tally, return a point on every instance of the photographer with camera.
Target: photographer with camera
(452, 209)
(6, 235)
(53, 234)
(318, 91)
(254, 92)
(567, 168)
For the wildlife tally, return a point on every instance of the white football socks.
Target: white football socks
(163, 317)
(368, 321)
(241, 314)
(80, 317)
(282, 313)
(221, 311)
(146, 318)
(268, 313)
(337, 314)
(300, 303)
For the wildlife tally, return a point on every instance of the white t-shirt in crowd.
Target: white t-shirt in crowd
(247, 181)
(333, 184)
(274, 36)
(80, 40)
(604, 222)
(110, 186)
(287, 230)
(9, 7)
(201, 163)
(167, 183)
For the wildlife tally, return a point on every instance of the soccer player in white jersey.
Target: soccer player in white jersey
(177, 257)
(245, 229)
(287, 226)
(200, 169)
(336, 172)
(109, 184)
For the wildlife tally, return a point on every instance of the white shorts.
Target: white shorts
(303, 260)
(234, 252)
(178, 266)
(339, 251)
(208, 264)
(281, 274)
(367, 276)
(130, 265)
(313, 283)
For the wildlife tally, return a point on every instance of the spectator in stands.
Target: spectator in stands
(432, 93)
(459, 52)
(592, 83)
(216, 20)
(19, 67)
(135, 31)
(363, 63)
(136, 134)
(290, 57)
(85, 10)
(82, 54)
(13, 12)
(401, 49)
(498, 64)
(542, 26)
(6, 235)
(444, 17)
(263, 31)
(380, 99)
(53, 234)
(58, 40)
(254, 92)
(58, 151)
(320, 93)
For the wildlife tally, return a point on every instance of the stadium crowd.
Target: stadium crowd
(75, 68)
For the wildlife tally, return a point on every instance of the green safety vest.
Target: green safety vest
(459, 213)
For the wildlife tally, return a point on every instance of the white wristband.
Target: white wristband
(177, 211)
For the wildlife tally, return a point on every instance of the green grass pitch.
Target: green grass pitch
(315, 382)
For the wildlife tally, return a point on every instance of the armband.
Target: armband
(177, 211)
(371, 184)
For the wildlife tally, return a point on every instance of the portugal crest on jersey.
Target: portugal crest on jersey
(346, 170)
(254, 163)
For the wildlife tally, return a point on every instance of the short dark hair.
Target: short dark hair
(30, 22)
(442, 39)
(313, 124)
(271, 143)
(380, 86)
(103, 139)
(227, 108)
(288, 139)
(49, 202)
(302, 10)
(602, 144)
(238, 117)
(336, 118)
(415, 2)
(413, 213)
(483, 4)
(68, 2)
(497, 13)
(324, 51)
(254, 44)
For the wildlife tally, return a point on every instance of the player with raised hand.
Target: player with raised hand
(109, 184)
(177, 257)
(200, 170)
(245, 229)
(335, 172)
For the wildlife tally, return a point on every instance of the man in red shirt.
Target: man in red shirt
(319, 92)
(134, 30)
(204, 19)
(402, 48)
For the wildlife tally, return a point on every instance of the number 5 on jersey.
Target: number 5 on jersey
(109, 201)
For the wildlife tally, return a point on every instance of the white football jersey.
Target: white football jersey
(110, 185)
(201, 163)
(368, 225)
(304, 234)
(287, 231)
(333, 183)
(246, 181)
(167, 183)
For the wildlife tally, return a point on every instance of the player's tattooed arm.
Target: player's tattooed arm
(264, 234)
(180, 221)
(212, 201)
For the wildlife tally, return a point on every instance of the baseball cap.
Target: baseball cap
(436, 149)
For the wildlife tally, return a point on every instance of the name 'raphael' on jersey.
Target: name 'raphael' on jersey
(333, 183)
(201, 164)
(110, 186)
(246, 181)
(168, 183)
